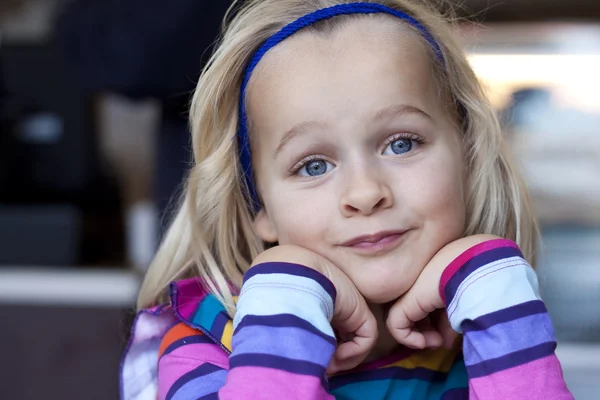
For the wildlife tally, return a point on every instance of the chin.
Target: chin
(383, 293)
(383, 282)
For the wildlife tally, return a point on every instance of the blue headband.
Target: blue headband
(284, 33)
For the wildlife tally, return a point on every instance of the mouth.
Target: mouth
(377, 242)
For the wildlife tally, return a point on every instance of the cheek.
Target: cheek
(301, 216)
(439, 199)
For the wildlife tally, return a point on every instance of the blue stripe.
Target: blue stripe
(282, 321)
(199, 338)
(276, 362)
(383, 389)
(195, 377)
(474, 264)
(207, 311)
(455, 382)
(398, 373)
(511, 360)
(508, 314)
(292, 269)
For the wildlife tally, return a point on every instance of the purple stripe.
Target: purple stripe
(507, 338)
(398, 373)
(187, 340)
(282, 321)
(511, 360)
(276, 362)
(508, 314)
(203, 370)
(212, 396)
(206, 384)
(218, 325)
(292, 269)
(456, 394)
(292, 343)
(474, 264)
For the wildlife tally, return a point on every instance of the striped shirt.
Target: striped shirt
(281, 341)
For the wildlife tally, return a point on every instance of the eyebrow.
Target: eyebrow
(297, 130)
(395, 110)
(398, 110)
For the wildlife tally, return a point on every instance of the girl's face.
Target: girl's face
(355, 156)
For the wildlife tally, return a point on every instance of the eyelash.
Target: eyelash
(418, 139)
(306, 160)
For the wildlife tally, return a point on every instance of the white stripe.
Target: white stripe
(272, 294)
(292, 280)
(493, 287)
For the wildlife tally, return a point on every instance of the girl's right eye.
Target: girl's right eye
(313, 168)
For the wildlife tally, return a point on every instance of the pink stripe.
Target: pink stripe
(537, 380)
(184, 359)
(190, 294)
(468, 254)
(267, 383)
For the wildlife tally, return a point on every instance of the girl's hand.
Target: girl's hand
(418, 319)
(352, 318)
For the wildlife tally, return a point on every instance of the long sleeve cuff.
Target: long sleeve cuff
(485, 279)
(492, 297)
(283, 320)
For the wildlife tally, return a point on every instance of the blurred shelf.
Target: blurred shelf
(531, 10)
(581, 368)
(54, 288)
(580, 356)
(68, 287)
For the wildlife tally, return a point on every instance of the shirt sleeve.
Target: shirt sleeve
(492, 297)
(281, 346)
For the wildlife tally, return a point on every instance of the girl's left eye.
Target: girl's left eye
(399, 146)
(314, 168)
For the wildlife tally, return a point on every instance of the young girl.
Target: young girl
(354, 143)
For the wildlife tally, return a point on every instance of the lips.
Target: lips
(373, 239)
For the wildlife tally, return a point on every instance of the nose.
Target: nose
(365, 193)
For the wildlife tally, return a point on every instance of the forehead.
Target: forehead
(366, 62)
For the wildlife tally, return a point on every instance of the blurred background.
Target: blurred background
(94, 145)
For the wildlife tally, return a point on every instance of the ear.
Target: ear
(264, 227)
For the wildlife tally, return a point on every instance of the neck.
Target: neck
(386, 344)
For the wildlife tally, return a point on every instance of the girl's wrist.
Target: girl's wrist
(461, 252)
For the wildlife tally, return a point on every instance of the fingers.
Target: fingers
(350, 354)
(358, 323)
(403, 323)
(429, 331)
(419, 335)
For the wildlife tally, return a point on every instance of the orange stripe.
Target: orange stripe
(177, 332)
(227, 335)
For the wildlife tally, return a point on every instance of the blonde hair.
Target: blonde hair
(212, 235)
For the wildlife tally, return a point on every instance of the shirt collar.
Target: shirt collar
(194, 305)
